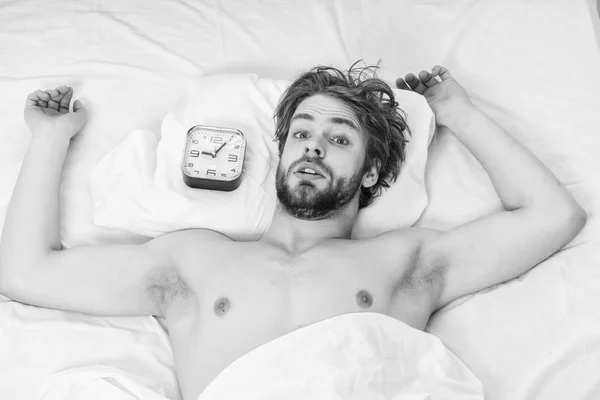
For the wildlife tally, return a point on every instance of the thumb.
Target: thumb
(78, 106)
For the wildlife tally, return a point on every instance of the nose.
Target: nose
(314, 148)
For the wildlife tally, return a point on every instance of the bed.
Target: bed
(531, 65)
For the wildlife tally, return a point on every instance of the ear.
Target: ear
(370, 177)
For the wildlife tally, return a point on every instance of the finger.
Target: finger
(78, 107)
(53, 93)
(53, 104)
(415, 83)
(442, 72)
(400, 84)
(35, 97)
(428, 79)
(63, 89)
(57, 98)
(66, 100)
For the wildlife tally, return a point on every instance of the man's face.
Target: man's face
(321, 169)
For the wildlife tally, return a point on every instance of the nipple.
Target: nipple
(222, 306)
(364, 299)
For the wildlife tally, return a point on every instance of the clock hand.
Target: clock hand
(208, 154)
(219, 149)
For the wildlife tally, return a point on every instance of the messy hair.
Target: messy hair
(373, 103)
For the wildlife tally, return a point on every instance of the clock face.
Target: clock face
(214, 153)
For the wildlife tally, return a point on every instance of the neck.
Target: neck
(295, 235)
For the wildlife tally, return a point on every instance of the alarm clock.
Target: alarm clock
(213, 158)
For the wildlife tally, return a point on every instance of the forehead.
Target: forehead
(322, 106)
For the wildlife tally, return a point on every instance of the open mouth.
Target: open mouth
(308, 174)
(308, 171)
(308, 177)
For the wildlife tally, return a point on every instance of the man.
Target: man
(340, 136)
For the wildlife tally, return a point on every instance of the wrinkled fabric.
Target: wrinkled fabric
(352, 356)
(99, 382)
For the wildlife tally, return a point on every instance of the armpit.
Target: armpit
(424, 274)
(165, 286)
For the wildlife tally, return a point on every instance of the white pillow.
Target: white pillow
(138, 185)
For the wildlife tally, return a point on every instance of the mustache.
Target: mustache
(313, 160)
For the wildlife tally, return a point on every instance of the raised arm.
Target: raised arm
(106, 280)
(540, 215)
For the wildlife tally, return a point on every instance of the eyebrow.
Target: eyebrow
(334, 120)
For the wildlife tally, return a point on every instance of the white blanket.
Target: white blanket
(352, 357)
(99, 382)
(355, 356)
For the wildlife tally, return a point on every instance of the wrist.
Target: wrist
(463, 118)
(49, 144)
(50, 139)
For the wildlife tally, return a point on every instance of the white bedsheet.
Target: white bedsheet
(533, 66)
(354, 356)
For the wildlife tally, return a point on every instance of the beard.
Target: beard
(308, 202)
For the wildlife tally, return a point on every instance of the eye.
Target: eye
(298, 135)
(341, 140)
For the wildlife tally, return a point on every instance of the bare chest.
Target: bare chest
(293, 296)
(253, 298)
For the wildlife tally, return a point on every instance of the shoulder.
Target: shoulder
(413, 240)
(177, 243)
(186, 234)
(414, 235)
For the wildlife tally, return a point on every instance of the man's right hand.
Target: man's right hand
(47, 113)
(35, 269)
